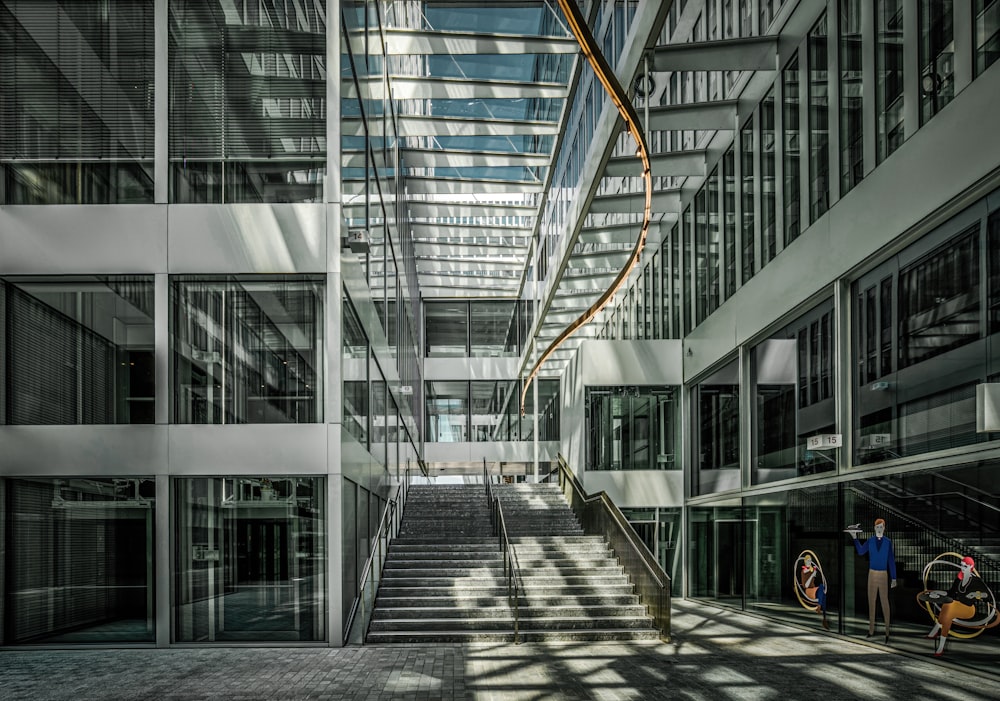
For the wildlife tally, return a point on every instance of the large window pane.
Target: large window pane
(633, 428)
(747, 150)
(819, 120)
(79, 350)
(717, 438)
(852, 168)
(919, 350)
(548, 411)
(937, 56)
(790, 154)
(247, 102)
(447, 412)
(729, 222)
(793, 389)
(79, 560)
(489, 325)
(247, 349)
(446, 329)
(249, 559)
(889, 70)
(987, 19)
(354, 366)
(76, 102)
(487, 403)
(768, 201)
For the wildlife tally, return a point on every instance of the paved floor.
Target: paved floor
(714, 654)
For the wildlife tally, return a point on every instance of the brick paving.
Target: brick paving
(714, 654)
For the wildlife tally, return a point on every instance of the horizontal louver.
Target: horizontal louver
(52, 364)
(248, 88)
(76, 80)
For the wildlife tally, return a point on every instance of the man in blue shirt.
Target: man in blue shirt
(881, 570)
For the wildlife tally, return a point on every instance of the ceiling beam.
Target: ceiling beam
(747, 54)
(416, 42)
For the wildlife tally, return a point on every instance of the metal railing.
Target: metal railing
(511, 569)
(359, 618)
(599, 516)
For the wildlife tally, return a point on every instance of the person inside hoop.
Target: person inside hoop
(958, 603)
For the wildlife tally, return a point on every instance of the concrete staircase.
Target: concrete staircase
(574, 587)
(443, 579)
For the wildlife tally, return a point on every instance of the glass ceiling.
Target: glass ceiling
(490, 124)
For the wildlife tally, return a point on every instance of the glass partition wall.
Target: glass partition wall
(633, 428)
(250, 559)
(79, 560)
(247, 349)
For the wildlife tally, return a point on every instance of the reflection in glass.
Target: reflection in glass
(446, 329)
(717, 438)
(633, 428)
(548, 411)
(852, 168)
(717, 566)
(819, 120)
(77, 108)
(937, 57)
(79, 350)
(354, 366)
(986, 15)
(490, 327)
(768, 201)
(792, 381)
(659, 530)
(249, 559)
(790, 154)
(747, 150)
(729, 222)
(889, 70)
(926, 400)
(447, 412)
(247, 349)
(79, 560)
(487, 407)
(247, 102)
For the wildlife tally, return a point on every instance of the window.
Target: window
(889, 70)
(77, 108)
(717, 436)
(729, 222)
(354, 366)
(768, 203)
(633, 428)
(790, 154)
(247, 349)
(447, 412)
(446, 329)
(937, 57)
(747, 149)
(79, 350)
(852, 168)
(249, 558)
(79, 560)
(987, 19)
(819, 119)
(247, 103)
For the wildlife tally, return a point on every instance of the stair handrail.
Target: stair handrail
(388, 529)
(907, 496)
(927, 531)
(599, 515)
(511, 567)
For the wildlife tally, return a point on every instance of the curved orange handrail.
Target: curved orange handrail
(604, 72)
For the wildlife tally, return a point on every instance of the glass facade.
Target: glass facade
(751, 552)
(633, 428)
(79, 560)
(77, 350)
(247, 102)
(819, 122)
(924, 340)
(793, 378)
(987, 20)
(354, 366)
(889, 72)
(937, 56)
(716, 440)
(249, 559)
(791, 155)
(247, 349)
(76, 102)
(852, 166)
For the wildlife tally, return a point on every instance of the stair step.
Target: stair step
(499, 611)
